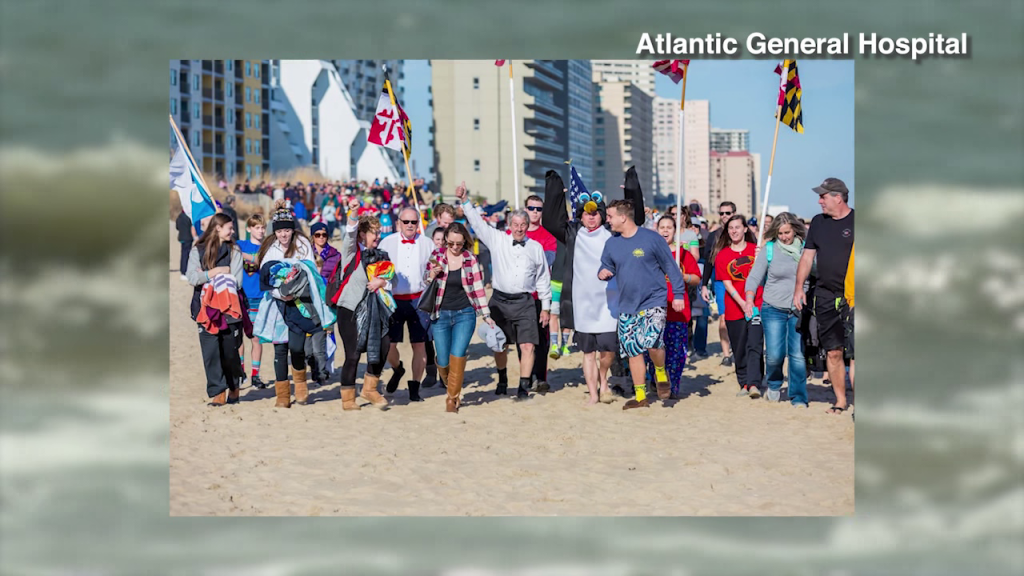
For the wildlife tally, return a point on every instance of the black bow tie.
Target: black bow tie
(519, 243)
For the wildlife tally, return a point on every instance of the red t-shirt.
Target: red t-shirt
(735, 266)
(689, 267)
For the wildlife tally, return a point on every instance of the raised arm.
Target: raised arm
(632, 191)
(484, 231)
(554, 218)
(349, 245)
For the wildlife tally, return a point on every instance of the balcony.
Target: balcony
(548, 159)
(550, 120)
(207, 66)
(218, 67)
(218, 95)
(537, 130)
(207, 93)
(544, 103)
(183, 87)
(547, 67)
(218, 121)
(207, 148)
(266, 127)
(545, 81)
(238, 70)
(183, 64)
(185, 119)
(207, 121)
(238, 98)
(219, 149)
(548, 145)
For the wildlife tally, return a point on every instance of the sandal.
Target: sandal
(836, 409)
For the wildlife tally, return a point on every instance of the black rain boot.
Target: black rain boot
(430, 380)
(396, 377)
(502, 389)
(414, 391)
(524, 392)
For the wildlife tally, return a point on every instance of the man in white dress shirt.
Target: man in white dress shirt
(520, 269)
(409, 252)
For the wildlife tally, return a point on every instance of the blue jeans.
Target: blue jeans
(453, 330)
(781, 339)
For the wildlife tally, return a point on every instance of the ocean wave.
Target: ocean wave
(934, 211)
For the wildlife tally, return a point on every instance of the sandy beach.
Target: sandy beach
(707, 454)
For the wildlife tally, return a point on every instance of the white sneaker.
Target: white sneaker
(184, 278)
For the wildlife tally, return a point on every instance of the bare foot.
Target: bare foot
(591, 400)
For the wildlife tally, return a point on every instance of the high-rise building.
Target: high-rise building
(696, 127)
(639, 72)
(734, 177)
(472, 134)
(666, 144)
(723, 141)
(221, 108)
(623, 122)
(315, 124)
(580, 93)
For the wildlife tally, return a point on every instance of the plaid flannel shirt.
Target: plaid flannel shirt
(472, 281)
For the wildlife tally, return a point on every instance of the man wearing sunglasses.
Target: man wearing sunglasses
(409, 251)
(520, 270)
(534, 231)
(725, 211)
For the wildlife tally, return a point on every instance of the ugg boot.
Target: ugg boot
(370, 393)
(233, 396)
(414, 391)
(283, 391)
(396, 377)
(348, 399)
(456, 370)
(301, 387)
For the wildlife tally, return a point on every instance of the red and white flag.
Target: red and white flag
(391, 127)
(674, 69)
(499, 62)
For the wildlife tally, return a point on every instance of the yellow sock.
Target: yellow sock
(641, 393)
(659, 374)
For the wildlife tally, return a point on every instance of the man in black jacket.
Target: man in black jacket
(186, 236)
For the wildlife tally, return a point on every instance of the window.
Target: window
(476, 165)
(256, 147)
(231, 89)
(174, 106)
(195, 110)
(248, 120)
(600, 120)
(230, 65)
(248, 146)
(256, 170)
(174, 78)
(256, 97)
(231, 144)
(248, 168)
(600, 163)
(476, 83)
(257, 119)
(600, 142)
(248, 94)
(195, 81)
(248, 72)
(476, 123)
(197, 141)
(256, 73)
(231, 118)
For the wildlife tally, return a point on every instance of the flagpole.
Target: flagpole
(408, 169)
(771, 163)
(679, 183)
(515, 151)
(184, 144)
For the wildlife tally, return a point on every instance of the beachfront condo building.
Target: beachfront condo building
(723, 140)
(696, 160)
(735, 176)
(222, 108)
(623, 136)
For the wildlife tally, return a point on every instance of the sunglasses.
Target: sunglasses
(454, 244)
(725, 213)
(408, 221)
(535, 208)
(320, 235)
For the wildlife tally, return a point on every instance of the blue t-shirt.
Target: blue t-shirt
(640, 264)
(300, 211)
(250, 282)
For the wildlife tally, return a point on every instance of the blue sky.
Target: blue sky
(742, 94)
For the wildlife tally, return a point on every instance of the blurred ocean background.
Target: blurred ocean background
(83, 296)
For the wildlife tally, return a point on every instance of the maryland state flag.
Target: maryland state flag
(789, 96)
(391, 127)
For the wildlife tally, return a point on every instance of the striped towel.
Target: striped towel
(218, 301)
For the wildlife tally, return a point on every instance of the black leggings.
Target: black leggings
(349, 333)
(747, 341)
(296, 345)
(220, 358)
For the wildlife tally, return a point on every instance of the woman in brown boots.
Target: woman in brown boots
(460, 298)
(287, 242)
(346, 290)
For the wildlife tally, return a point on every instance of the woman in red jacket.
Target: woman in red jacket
(677, 322)
(736, 248)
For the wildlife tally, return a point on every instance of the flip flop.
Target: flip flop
(833, 410)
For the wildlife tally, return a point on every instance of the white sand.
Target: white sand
(710, 453)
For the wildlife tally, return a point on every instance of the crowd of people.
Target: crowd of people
(614, 279)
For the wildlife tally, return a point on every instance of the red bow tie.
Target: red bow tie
(404, 241)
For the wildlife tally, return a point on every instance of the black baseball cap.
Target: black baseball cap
(832, 186)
